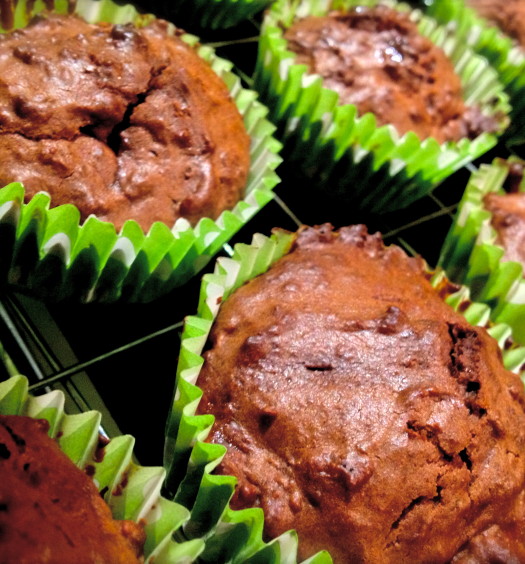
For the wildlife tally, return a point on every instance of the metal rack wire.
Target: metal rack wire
(39, 350)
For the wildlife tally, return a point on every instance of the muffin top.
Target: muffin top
(123, 122)
(508, 15)
(50, 510)
(361, 410)
(376, 59)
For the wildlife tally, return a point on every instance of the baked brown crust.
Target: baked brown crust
(50, 511)
(376, 59)
(360, 409)
(123, 122)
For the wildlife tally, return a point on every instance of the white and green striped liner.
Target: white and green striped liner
(472, 256)
(132, 491)
(235, 536)
(48, 253)
(351, 159)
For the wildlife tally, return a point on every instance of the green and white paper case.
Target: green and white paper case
(132, 491)
(503, 54)
(50, 254)
(236, 535)
(472, 256)
(351, 159)
(208, 14)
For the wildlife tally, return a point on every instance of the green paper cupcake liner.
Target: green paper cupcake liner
(132, 491)
(503, 54)
(236, 535)
(350, 158)
(471, 255)
(208, 14)
(50, 254)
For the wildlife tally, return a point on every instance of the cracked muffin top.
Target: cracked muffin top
(359, 409)
(50, 510)
(123, 122)
(375, 58)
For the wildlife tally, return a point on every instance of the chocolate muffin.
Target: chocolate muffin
(123, 122)
(508, 219)
(376, 59)
(51, 511)
(508, 15)
(359, 409)
(508, 215)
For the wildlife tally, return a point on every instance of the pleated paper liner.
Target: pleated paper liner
(471, 255)
(207, 14)
(503, 53)
(50, 254)
(236, 535)
(349, 158)
(132, 491)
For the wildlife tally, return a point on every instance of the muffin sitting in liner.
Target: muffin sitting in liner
(376, 104)
(508, 214)
(360, 409)
(51, 511)
(157, 152)
(123, 122)
(376, 59)
(484, 247)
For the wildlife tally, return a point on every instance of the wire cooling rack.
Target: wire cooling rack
(121, 359)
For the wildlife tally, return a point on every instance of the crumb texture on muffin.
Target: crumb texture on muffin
(376, 59)
(123, 122)
(361, 410)
(51, 511)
